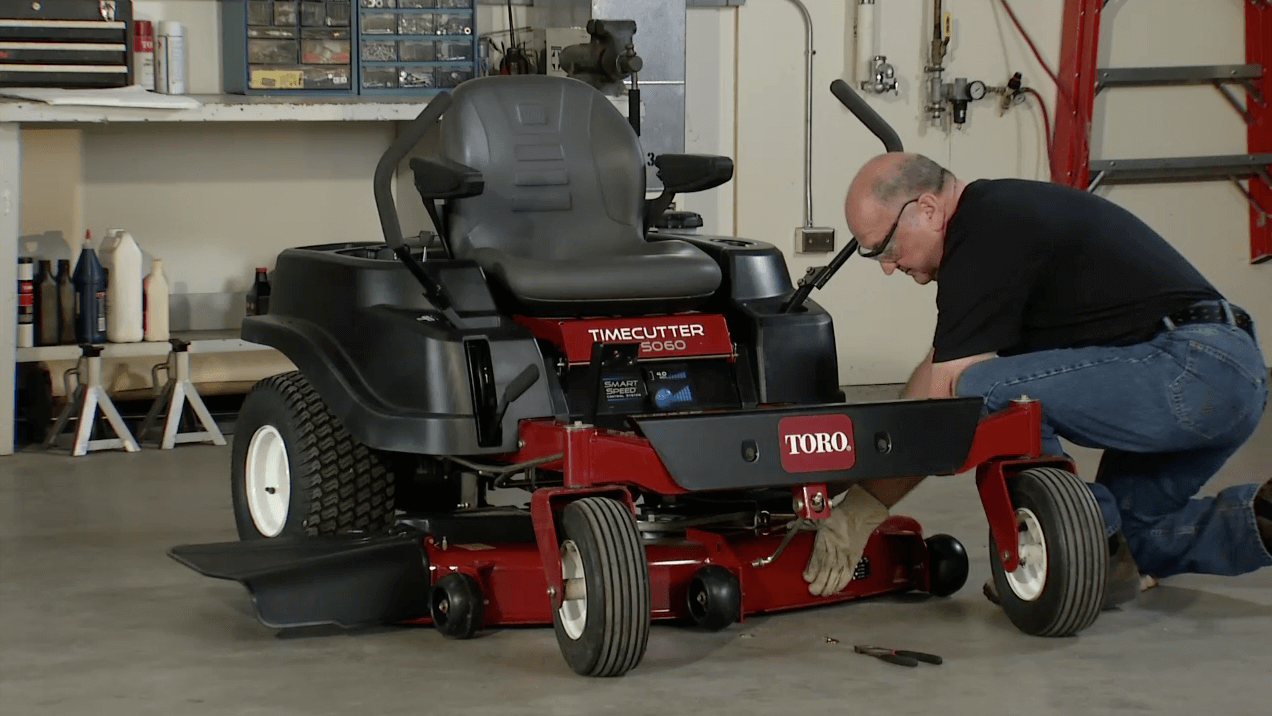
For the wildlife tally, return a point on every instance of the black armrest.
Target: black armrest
(437, 178)
(681, 173)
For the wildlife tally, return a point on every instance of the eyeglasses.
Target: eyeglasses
(883, 247)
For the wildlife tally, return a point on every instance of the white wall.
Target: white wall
(884, 325)
(216, 201)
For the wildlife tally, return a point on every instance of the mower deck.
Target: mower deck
(512, 556)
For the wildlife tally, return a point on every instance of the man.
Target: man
(1063, 296)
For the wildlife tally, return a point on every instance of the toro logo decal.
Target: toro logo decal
(816, 443)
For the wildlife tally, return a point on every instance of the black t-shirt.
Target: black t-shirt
(1032, 266)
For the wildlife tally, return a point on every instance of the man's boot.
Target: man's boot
(1123, 581)
(1263, 513)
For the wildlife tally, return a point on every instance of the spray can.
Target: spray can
(170, 59)
(90, 295)
(26, 302)
(144, 54)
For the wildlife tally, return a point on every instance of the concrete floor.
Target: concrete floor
(96, 619)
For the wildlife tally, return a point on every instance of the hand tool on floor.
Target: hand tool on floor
(901, 657)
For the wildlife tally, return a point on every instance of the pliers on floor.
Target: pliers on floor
(901, 657)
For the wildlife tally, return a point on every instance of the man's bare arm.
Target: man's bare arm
(919, 385)
(932, 381)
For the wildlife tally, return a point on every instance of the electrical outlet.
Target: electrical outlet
(814, 240)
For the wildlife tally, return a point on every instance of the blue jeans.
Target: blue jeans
(1168, 413)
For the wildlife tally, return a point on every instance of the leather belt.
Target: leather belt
(1213, 313)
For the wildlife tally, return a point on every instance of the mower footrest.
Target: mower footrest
(308, 581)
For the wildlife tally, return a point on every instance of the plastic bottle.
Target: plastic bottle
(258, 296)
(65, 303)
(155, 297)
(46, 310)
(90, 295)
(105, 255)
(26, 302)
(123, 292)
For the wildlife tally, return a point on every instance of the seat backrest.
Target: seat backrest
(563, 170)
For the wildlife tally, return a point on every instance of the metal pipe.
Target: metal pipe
(866, 50)
(808, 114)
(936, 57)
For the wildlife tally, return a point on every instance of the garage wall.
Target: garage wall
(884, 324)
(216, 201)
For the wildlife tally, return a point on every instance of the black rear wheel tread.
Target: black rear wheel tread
(327, 464)
(1077, 554)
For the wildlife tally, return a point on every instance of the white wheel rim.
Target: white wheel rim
(573, 611)
(268, 481)
(1029, 578)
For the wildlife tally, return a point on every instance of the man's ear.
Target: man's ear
(931, 211)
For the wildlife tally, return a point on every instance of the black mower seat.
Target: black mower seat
(663, 276)
(559, 221)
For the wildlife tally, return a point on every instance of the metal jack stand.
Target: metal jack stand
(171, 402)
(84, 401)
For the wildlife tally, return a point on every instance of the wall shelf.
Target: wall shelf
(226, 341)
(224, 108)
(19, 114)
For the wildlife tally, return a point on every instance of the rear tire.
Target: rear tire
(602, 629)
(295, 470)
(1058, 590)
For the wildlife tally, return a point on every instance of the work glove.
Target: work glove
(841, 540)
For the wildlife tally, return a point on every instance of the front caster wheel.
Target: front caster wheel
(1058, 588)
(714, 598)
(602, 626)
(947, 565)
(455, 604)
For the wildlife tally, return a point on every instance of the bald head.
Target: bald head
(914, 196)
(887, 181)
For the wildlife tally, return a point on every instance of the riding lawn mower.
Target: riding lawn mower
(665, 404)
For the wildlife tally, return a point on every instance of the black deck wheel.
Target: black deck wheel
(947, 565)
(602, 626)
(714, 598)
(455, 605)
(1058, 589)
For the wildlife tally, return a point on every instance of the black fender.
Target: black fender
(401, 385)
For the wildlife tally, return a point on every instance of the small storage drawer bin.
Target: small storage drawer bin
(415, 46)
(400, 47)
(288, 46)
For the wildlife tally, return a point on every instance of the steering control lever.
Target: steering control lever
(390, 223)
(818, 276)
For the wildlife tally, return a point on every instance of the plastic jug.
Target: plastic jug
(123, 291)
(90, 295)
(155, 297)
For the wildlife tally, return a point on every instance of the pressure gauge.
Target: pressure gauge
(976, 89)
